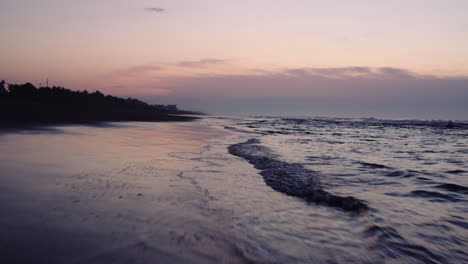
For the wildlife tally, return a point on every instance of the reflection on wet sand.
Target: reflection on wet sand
(82, 194)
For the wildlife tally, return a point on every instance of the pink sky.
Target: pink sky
(197, 52)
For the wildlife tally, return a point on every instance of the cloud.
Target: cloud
(394, 72)
(155, 9)
(341, 83)
(387, 92)
(348, 83)
(137, 70)
(352, 72)
(201, 63)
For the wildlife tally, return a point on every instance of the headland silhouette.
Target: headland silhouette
(24, 104)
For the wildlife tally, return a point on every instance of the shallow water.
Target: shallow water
(171, 192)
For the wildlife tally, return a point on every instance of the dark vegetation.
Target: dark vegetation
(26, 104)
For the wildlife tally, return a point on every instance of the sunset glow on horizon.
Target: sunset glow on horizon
(203, 54)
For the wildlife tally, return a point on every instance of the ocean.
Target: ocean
(237, 190)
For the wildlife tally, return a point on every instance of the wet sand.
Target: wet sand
(78, 194)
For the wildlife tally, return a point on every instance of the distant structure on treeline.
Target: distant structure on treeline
(2, 87)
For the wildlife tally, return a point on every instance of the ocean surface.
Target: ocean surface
(237, 190)
(411, 175)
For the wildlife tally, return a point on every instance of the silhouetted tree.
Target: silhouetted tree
(25, 90)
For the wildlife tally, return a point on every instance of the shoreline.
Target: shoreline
(40, 125)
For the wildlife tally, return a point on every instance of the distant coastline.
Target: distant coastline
(24, 105)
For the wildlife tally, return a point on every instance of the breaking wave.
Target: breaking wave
(292, 178)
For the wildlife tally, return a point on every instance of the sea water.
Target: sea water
(411, 175)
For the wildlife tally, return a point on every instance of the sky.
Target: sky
(361, 58)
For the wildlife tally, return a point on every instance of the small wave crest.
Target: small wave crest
(453, 188)
(434, 196)
(374, 165)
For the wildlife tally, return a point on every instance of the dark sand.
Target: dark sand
(79, 194)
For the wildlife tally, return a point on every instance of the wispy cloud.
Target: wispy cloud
(201, 63)
(353, 83)
(137, 70)
(155, 9)
(349, 72)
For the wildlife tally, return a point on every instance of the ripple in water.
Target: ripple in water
(411, 175)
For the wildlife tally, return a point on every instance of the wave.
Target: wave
(456, 171)
(235, 129)
(453, 188)
(434, 196)
(393, 244)
(292, 178)
(298, 125)
(374, 165)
